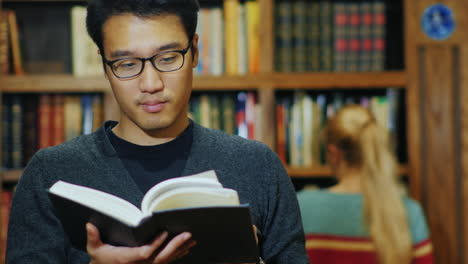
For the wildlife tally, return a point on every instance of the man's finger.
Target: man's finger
(172, 249)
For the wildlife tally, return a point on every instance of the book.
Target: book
(197, 203)
(4, 43)
(14, 43)
(17, 131)
(231, 34)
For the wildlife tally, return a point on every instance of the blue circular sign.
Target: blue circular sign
(438, 22)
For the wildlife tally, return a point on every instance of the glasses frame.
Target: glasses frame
(143, 61)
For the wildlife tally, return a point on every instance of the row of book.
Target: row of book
(326, 35)
(229, 38)
(301, 117)
(31, 122)
(237, 113)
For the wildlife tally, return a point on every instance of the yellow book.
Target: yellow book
(253, 41)
(231, 16)
(15, 45)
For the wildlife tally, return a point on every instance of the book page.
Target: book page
(194, 197)
(204, 179)
(100, 201)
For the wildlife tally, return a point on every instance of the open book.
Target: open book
(197, 203)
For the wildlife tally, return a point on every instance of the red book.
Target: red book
(5, 212)
(58, 119)
(45, 121)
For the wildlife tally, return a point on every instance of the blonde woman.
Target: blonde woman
(364, 218)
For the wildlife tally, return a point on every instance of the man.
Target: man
(149, 49)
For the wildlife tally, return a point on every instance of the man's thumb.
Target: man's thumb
(93, 237)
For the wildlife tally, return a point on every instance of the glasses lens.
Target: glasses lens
(127, 67)
(169, 61)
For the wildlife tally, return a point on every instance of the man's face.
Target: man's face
(153, 102)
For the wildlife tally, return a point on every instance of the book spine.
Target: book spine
(98, 113)
(214, 111)
(45, 120)
(86, 60)
(231, 15)
(216, 41)
(5, 206)
(253, 35)
(313, 36)
(340, 23)
(307, 129)
(205, 41)
(16, 131)
(199, 31)
(242, 40)
(284, 37)
(87, 108)
(326, 35)
(299, 30)
(30, 128)
(4, 44)
(378, 35)
(73, 116)
(250, 113)
(58, 119)
(354, 22)
(229, 117)
(280, 132)
(6, 131)
(241, 123)
(205, 116)
(14, 43)
(365, 36)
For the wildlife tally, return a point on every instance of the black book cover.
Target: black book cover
(223, 234)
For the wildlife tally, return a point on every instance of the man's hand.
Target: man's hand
(99, 252)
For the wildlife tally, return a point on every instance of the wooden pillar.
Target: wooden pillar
(437, 127)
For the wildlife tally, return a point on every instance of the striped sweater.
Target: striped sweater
(336, 233)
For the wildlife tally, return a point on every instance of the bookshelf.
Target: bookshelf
(265, 84)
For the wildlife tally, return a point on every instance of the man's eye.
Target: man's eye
(126, 64)
(168, 59)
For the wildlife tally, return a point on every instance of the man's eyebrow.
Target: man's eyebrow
(128, 53)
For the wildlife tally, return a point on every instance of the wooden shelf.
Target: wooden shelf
(293, 172)
(68, 83)
(332, 80)
(12, 175)
(322, 171)
(62, 83)
(248, 82)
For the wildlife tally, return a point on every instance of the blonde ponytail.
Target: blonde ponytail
(383, 206)
(365, 146)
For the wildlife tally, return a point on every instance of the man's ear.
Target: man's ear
(195, 53)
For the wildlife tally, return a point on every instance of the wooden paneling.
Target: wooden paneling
(464, 144)
(332, 80)
(438, 129)
(439, 157)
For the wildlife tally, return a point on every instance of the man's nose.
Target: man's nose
(150, 79)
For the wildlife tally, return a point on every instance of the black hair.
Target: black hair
(101, 10)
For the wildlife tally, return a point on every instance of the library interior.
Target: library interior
(274, 71)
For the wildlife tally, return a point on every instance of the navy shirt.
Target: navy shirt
(149, 165)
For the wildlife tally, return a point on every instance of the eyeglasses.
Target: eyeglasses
(130, 67)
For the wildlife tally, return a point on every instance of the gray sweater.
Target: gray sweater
(35, 234)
